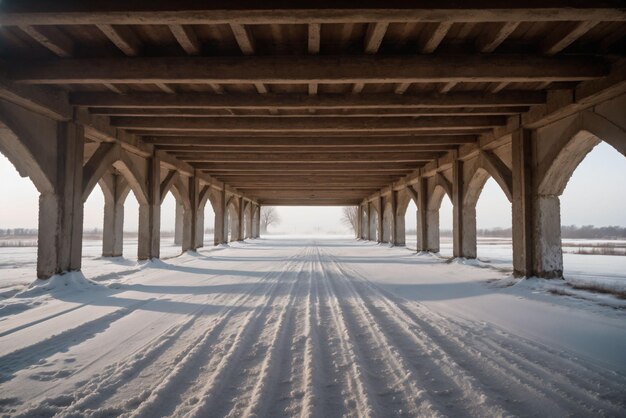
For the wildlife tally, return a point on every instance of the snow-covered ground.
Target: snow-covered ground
(310, 327)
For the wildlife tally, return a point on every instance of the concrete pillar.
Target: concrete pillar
(359, 220)
(256, 222)
(178, 226)
(219, 236)
(197, 216)
(463, 219)
(241, 226)
(248, 222)
(61, 212)
(368, 230)
(422, 218)
(380, 219)
(150, 215)
(432, 230)
(113, 226)
(536, 218)
(399, 237)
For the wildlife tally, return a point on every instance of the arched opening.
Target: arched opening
(172, 227)
(93, 217)
(388, 224)
(565, 156)
(593, 217)
(18, 229)
(494, 225)
(410, 224)
(130, 226)
(208, 232)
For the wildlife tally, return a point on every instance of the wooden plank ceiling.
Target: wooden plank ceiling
(317, 104)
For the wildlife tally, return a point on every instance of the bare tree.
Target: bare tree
(269, 216)
(351, 218)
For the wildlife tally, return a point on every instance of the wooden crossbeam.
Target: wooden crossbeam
(313, 158)
(335, 149)
(432, 36)
(559, 40)
(491, 39)
(300, 101)
(196, 12)
(292, 142)
(382, 112)
(307, 69)
(166, 132)
(336, 168)
(122, 37)
(187, 39)
(52, 38)
(354, 124)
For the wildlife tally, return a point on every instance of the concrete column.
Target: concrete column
(460, 215)
(61, 212)
(113, 226)
(248, 223)
(536, 218)
(399, 234)
(256, 222)
(422, 218)
(380, 219)
(359, 220)
(219, 236)
(178, 226)
(150, 215)
(197, 216)
(241, 226)
(368, 229)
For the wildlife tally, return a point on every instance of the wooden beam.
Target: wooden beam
(187, 39)
(314, 41)
(52, 38)
(312, 158)
(354, 124)
(165, 88)
(492, 38)
(306, 69)
(293, 142)
(265, 149)
(374, 36)
(401, 88)
(243, 37)
(303, 101)
(336, 168)
(165, 132)
(123, 37)
(432, 36)
(166, 12)
(448, 86)
(383, 112)
(52, 103)
(561, 39)
(498, 87)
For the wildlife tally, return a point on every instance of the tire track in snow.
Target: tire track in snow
(416, 391)
(357, 380)
(441, 329)
(204, 402)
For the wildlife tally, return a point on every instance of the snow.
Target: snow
(309, 327)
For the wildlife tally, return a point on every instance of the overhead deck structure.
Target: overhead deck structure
(326, 103)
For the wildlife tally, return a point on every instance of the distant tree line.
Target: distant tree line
(567, 231)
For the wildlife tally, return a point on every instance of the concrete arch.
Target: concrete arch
(585, 132)
(432, 214)
(207, 194)
(403, 200)
(106, 157)
(388, 228)
(14, 145)
(231, 224)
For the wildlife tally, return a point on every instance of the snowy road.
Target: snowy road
(299, 328)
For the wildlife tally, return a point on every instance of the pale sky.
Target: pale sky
(588, 200)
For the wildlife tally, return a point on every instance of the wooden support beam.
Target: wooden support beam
(312, 158)
(314, 42)
(374, 36)
(498, 87)
(122, 37)
(447, 87)
(354, 124)
(401, 88)
(165, 12)
(561, 39)
(383, 112)
(187, 39)
(302, 101)
(52, 38)
(293, 142)
(432, 36)
(264, 149)
(336, 168)
(307, 69)
(165, 88)
(165, 132)
(492, 38)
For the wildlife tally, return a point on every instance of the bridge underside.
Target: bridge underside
(371, 105)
